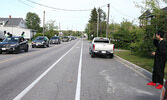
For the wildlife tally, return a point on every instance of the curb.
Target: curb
(143, 72)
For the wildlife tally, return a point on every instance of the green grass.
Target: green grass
(144, 62)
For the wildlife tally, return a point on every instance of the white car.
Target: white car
(101, 46)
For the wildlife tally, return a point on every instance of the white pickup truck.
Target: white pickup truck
(101, 46)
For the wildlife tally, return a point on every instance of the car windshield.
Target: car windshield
(11, 39)
(65, 37)
(54, 38)
(39, 38)
(101, 41)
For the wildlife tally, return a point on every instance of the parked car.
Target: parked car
(164, 92)
(55, 40)
(65, 39)
(40, 41)
(14, 44)
(70, 38)
(101, 46)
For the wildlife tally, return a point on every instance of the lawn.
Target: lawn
(144, 62)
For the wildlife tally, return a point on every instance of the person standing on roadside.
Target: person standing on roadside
(23, 34)
(5, 33)
(159, 60)
(8, 35)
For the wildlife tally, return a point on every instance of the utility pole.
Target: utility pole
(43, 22)
(59, 26)
(97, 23)
(108, 20)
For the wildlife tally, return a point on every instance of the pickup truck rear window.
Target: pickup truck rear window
(101, 41)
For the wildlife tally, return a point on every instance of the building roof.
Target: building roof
(11, 21)
(145, 14)
(148, 13)
(164, 9)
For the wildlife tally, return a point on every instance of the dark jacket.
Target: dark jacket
(159, 61)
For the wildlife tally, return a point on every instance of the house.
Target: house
(146, 17)
(15, 26)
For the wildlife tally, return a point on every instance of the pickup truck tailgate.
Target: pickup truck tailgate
(103, 47)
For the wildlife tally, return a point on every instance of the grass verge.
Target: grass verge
(144, 62)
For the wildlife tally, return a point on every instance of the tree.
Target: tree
(50, 25)
(91, 27)
(33, 21)
(151, 5)
(102, 22)
(144, 45)
(124, 36)
(93, 16)
(93, 22)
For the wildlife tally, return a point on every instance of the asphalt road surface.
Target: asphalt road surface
(67, 72)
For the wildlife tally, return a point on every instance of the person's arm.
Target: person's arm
(163, 48)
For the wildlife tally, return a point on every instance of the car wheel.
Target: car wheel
(0, 52)
(111, 55)
(18, 50)
(26, 50)
(44, 45)
(92, 54)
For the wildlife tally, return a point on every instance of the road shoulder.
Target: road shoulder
(143, 72)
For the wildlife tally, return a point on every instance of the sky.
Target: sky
(72, 20)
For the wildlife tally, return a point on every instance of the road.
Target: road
(67, 72)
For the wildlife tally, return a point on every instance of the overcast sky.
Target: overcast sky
(72, 20)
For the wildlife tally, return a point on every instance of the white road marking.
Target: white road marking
(26, 90)
(78, 87)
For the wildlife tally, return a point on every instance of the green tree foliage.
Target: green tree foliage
(33, 21)
(144, 44)
(50, 25)
(160, 21)
(102, 23)
(93, 16)
(124, 36)
(49, 34)
(114, 27)
(91, 28)
(93, 23)
(151, 5)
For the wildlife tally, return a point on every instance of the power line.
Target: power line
(29, 5)
(121, 12)
(57, 8)
(61, 8)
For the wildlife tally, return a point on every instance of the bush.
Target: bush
(37, 34)
(144, 42)
(49, 34)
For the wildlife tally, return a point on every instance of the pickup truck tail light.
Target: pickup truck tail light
(113, 47)
(93, 46)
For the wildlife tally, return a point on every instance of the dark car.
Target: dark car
(65, 39)
(14, 44)
(55, 40)
(164, 92)
(40, 41)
